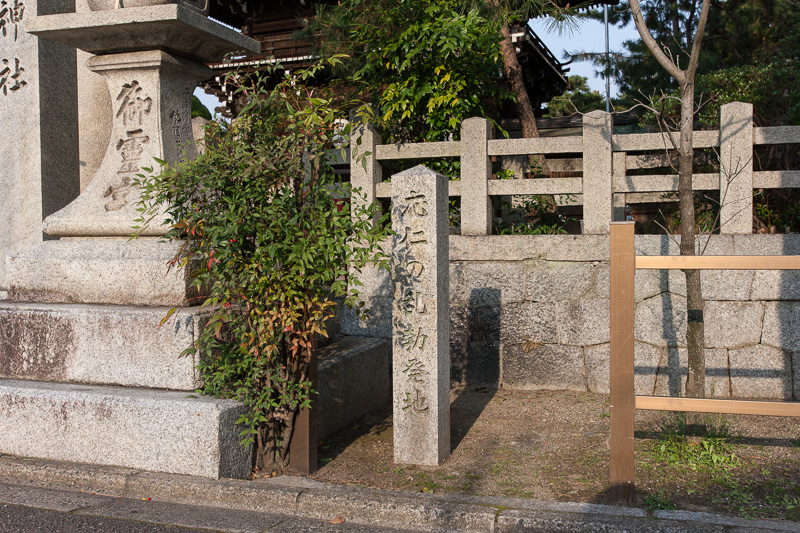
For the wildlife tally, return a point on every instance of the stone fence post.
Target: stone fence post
(421, 317)
(365, 170)
(597, 173)
(476, 169)
(736, 168)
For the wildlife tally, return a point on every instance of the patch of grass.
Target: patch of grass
(711, 452)
(658, 502)
(425, 484)
(708, 454)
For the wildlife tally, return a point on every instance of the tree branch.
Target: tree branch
(652, 45)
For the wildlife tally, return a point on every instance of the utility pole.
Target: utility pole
(608, 77)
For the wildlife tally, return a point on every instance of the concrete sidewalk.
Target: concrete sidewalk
(301, 500)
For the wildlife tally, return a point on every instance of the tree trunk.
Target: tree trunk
(695, 330)
(695, 327)
(513, 73)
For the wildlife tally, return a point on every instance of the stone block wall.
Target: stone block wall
(532, 312)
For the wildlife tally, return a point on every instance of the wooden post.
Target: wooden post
(622, 392)
(303, 448)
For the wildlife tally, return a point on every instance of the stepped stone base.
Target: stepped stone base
(354, 379)
(100, 344)
(160, 431)
(108, 270)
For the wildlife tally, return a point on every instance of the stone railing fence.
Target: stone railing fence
(606, 160)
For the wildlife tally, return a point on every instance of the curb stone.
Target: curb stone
(302, 497)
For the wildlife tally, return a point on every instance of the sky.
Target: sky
(588, 36)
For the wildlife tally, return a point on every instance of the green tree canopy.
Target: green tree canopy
(425, 64)
(738, 33)
(578, 99)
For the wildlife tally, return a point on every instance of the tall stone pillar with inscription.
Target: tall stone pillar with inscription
(39, 172)
(421, 317)
(81, 335)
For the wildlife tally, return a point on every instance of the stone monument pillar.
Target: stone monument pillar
(421, 317)
(39, 172)
(86, 308)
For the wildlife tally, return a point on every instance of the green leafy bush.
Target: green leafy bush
(266, 227)
(426, 64)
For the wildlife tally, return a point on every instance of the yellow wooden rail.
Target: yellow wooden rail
(698, 405)
(719, 262)
(624, 263)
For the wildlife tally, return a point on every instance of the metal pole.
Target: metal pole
(608, 64)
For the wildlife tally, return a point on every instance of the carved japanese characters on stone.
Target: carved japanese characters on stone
(176, 127)
(417, 204)
(415, 370)
(134, 104)
(11, 13)
(420, 317)
(418, 403)
(413, 237)
(411, 302)
(412, 338)
(131, 150)
(11, 76)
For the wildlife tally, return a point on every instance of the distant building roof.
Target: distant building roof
(274, 23)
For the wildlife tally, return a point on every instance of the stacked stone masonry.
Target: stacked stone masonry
(532, 312)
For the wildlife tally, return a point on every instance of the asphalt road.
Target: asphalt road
(25, 509)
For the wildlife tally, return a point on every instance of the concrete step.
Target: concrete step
(99, 344)
(354, 379)
(160, 431)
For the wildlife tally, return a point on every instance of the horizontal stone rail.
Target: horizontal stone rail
(608, 163)
(631, 142)
(418, 150)
(557, 145)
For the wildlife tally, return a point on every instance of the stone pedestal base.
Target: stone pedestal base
(113, 345)
(100, 271)
(160, 431)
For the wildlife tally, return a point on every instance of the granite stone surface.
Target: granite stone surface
(782, 325)
(159, 431)
(736, 168)
(661, 321)
(672, 372)
(646, 366)
(536, 321)
(355, 379)
(761, 371)
(114, 345)
(732, 324)
(481, 283)
(151, 100)
(583, 322)
(545, 367)
(421, 322)
(101, 271)
(173, 28)
(476, 168)
(39, 165)
(548, 281)
(597, 172)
